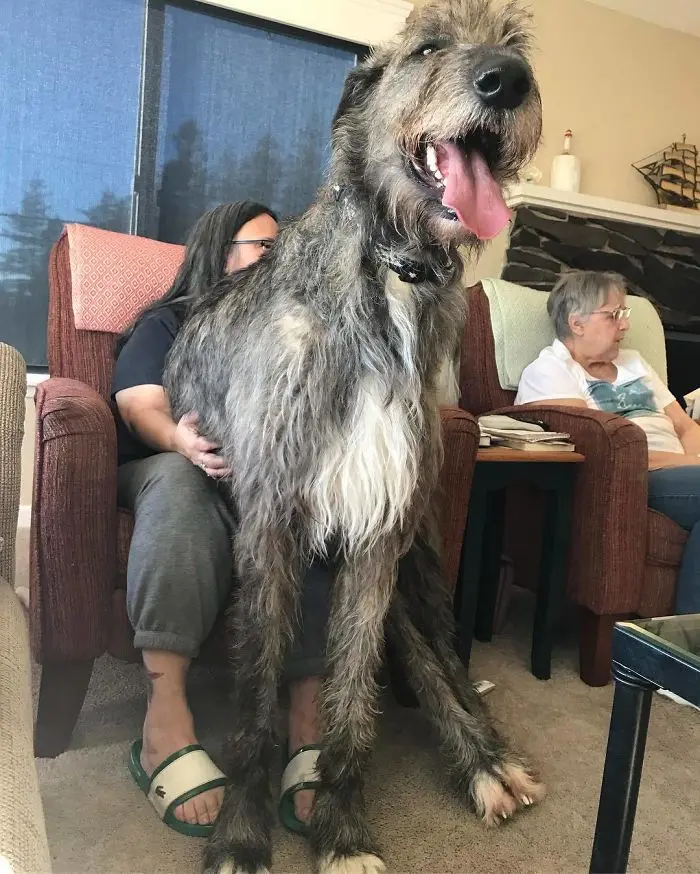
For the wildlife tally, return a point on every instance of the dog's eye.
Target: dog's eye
(428, 49)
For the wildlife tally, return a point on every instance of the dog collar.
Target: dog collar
(409, 271)
(415, 272)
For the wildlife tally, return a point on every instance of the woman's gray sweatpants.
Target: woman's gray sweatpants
(180, 568)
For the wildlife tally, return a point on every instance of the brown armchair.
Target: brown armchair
(624, 557)
(79, 537)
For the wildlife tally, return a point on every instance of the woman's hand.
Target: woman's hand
(189, 442)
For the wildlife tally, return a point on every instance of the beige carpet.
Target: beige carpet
(98, 823)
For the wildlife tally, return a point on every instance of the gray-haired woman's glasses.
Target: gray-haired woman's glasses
(616, 315)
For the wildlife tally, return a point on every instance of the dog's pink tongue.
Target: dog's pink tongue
(471, 191)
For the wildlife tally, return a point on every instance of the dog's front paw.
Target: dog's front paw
(221, 861)
(492, 801)
(497, 795)
(230, 867)
(362, 863)
(522, 785)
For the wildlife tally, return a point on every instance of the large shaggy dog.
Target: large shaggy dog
(319, 372)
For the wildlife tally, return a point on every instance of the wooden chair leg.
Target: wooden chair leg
(595, 646)
(61, 696)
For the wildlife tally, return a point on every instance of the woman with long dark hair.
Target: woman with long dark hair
(180, 567)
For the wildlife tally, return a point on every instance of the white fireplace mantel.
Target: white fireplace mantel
(366, 22)
(587, 205)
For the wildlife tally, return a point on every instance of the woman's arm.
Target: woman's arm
(659, 460)
(687, 430)
(146, 412)
(561, 402)
(688, 433)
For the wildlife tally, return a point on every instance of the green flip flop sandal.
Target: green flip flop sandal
(300, 773)
(184, 775)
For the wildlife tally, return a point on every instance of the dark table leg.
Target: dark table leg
(556, 535)
(491, 565)
(622, 773)
(470, 568)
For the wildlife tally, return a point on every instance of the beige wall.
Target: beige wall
(625, 87)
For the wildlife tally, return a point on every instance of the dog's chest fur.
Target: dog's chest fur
(367, 475)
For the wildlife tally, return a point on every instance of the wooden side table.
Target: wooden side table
(477, 590)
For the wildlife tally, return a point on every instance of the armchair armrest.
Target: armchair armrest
(610, 505)
(460, 437)
(74, 521)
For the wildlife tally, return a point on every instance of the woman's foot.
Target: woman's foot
(304, 729)
(169, 727)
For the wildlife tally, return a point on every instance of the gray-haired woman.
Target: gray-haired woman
(585, 367)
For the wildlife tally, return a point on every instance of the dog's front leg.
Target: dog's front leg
(260, 630)
(339, 832)
(430, 604)
(420, 627)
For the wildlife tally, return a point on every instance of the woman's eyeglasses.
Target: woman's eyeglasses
(616, 315)
(265, 244)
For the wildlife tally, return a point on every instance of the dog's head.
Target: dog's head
(433, 125)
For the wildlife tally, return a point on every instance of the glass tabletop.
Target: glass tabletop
(677, 634)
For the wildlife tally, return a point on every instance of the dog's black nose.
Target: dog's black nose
(502, 83)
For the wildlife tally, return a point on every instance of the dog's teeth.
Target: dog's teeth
(431, 157)
(504, 815)
(527, 801)
(438, 175)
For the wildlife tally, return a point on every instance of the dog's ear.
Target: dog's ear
(358, 84)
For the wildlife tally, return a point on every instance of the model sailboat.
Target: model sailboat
(674, 175)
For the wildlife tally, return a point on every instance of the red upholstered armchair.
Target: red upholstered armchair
(624, 558)
(98, 281)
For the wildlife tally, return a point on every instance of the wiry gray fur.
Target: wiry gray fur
(319, 373)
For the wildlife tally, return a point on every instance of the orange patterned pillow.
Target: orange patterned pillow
(114, 276)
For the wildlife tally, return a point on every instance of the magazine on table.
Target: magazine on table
(499, 430)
